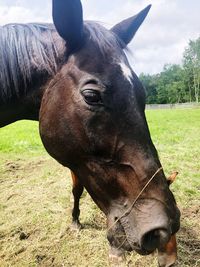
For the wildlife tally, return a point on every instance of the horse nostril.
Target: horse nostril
(155, 239)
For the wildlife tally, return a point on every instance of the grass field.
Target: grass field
(35, 198)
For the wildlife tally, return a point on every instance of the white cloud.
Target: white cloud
(21, 11)
(20, 15)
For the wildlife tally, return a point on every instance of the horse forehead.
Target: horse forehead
(126, 71)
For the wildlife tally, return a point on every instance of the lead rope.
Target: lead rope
(138, 196)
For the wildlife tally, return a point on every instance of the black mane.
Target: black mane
(25, 49)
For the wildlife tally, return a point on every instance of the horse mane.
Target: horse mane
(25, 49)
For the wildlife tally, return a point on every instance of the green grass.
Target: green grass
(35, 198)
(176, 134)
(21, 137)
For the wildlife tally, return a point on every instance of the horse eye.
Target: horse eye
(92, 97)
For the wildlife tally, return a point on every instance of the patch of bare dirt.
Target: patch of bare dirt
(13, 166)
(191, 212)
(189, 238)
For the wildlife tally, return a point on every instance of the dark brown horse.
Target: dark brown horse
(91, 120)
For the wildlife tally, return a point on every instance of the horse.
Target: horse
(74, 77)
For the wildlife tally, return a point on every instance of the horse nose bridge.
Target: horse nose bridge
(143, 175)
(140, 153)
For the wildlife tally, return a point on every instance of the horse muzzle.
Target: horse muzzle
(146, 228)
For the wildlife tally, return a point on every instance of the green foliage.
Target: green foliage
(191, 64)
(176, 84)
(150, 84)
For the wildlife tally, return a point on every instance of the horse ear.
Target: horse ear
(68, 20)
(126, 29)
(172, 178)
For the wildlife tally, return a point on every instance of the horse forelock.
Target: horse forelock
(25, 49)
(106, 41)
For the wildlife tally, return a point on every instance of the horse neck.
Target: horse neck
(27, 105)
(25, 108)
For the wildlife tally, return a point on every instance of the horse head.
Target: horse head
(92, 120)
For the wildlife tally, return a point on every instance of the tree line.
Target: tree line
(176, 83)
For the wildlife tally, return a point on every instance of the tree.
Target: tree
(191, 63)
(149, 83)
(165, 87)
(176, 84)
(173, 82)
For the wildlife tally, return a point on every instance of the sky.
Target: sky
(161, 39)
